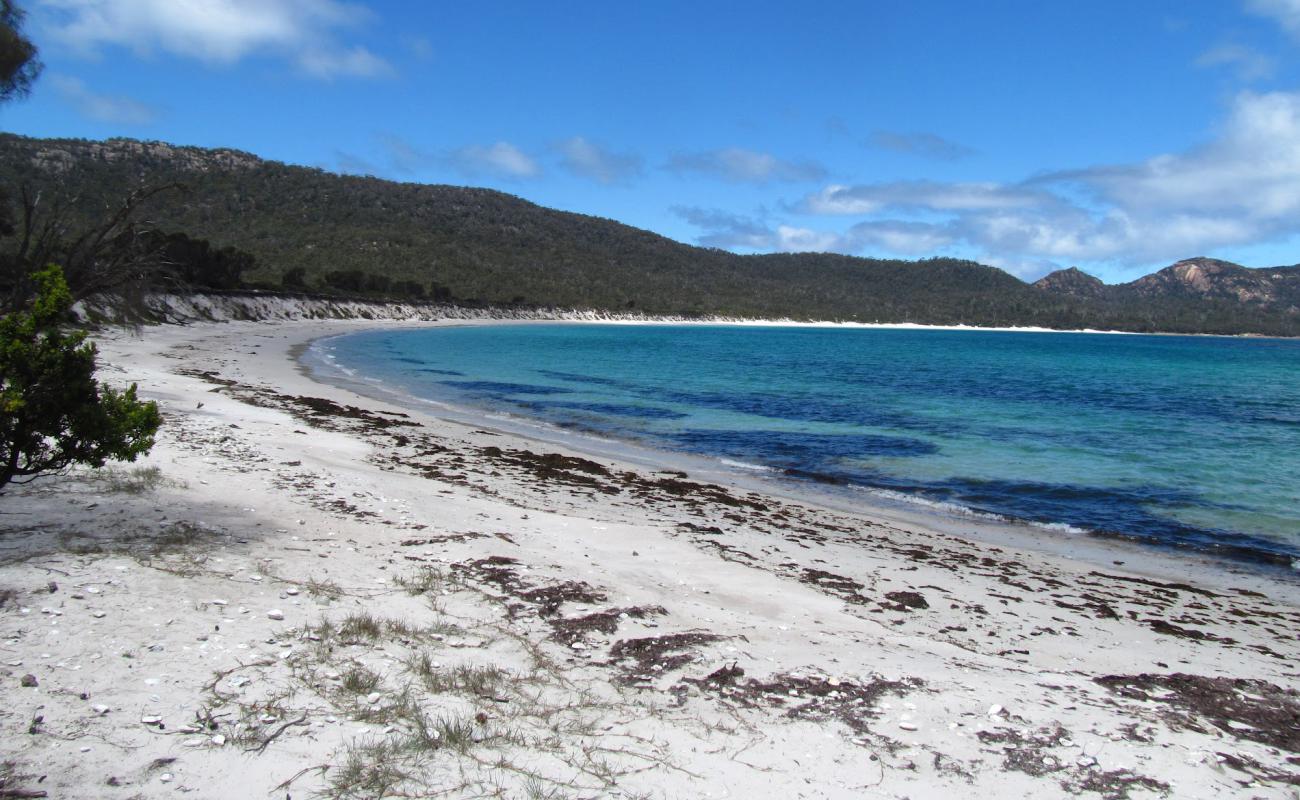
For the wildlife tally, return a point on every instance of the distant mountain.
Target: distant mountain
(314, 230)
(1203, 294)
(1275, 289)
(1073, 282)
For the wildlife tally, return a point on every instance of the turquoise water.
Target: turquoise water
(1186, 442)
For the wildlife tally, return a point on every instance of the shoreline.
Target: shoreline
(1055, 538)
(329, 594)
(250, 305)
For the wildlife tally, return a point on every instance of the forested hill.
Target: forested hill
(318, 231)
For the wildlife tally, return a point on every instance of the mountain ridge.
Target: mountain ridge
(485, 246)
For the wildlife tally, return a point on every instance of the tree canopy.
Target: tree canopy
(18, 63)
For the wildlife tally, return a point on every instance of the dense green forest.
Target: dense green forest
(295, 228)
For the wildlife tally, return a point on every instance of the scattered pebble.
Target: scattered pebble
(275, 613)
(152, 719)
(995, 710)
(907, 726)
(29, 680)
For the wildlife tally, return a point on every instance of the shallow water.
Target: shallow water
(1191, 442)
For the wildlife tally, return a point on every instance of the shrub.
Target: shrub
(53, 413)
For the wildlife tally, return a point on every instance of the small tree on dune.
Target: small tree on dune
(53, 413)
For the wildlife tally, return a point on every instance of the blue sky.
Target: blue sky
(1115, 136)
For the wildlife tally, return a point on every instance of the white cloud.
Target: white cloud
(745, 166)
(902, 195)
(738, 232)
(102, 107)
(1252, 172)
(726, 230)
(355, 62)
(1249, 65)
(219, 31)
(900, 236)
(1242, 187)
(791, 239)
(502, 160)
(588, 160)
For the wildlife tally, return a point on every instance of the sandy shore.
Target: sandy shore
(303, 592)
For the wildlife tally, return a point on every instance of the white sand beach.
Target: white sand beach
(304, 592)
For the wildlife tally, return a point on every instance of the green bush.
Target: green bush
(53, 413)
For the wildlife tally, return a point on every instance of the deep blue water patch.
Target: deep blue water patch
(1190, 442)
(790, 449)
(432, 371)
(502, 388)
(611, 409)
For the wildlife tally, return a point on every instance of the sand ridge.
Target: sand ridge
(307, 592)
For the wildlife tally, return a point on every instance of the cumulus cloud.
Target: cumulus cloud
(746, 166)
(925, 145)
(1242, 187)
(1252, 172)
(103, 107)
(220, 31)
(1248, 64)
(588, 160)
(501, 160)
